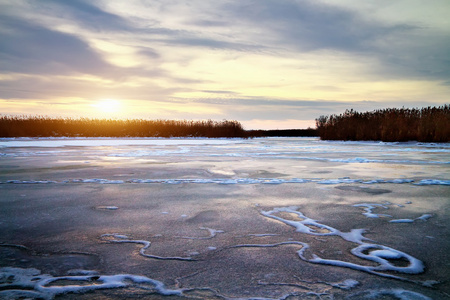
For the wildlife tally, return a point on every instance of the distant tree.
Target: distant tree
(429, 124)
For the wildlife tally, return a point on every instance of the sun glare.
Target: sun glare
(108, 106)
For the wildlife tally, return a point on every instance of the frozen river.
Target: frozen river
(266, 218)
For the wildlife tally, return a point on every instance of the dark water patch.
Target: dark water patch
(366, 190)
(266, 174)
(204, 217)
(321, 172)
(52, 263)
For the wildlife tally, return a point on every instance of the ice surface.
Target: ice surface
(113, 142)
(139, 218)
(309, 149)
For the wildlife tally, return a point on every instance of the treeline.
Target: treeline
(429, 124)
(38, 126)
(310, 132)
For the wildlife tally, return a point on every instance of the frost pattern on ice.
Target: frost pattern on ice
(379, 254)
(18, 283)
(118, 238)
(30, 283)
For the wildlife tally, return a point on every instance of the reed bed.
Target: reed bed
(429, 124)
(40, 126)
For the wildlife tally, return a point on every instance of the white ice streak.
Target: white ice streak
(402, 221)
(262, 234)
(141, 153)
(400, 294)
(369, 207)
(82, 272)
(98, 180)
(310, 226)
(397, 181)
(30, 283)
(433, 182)
(30, 181)
(146, 244)
(347, 284)
(386, 161)
(339, 181)
(227, 181)
(107, 207)
(381, 257)
(423, 217)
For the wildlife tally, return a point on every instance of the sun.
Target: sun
(108, 106)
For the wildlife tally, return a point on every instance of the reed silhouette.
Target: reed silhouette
(428, 124)
(40, 126)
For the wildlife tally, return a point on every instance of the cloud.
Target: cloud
(87, 15)
(308, 25)
(30, 48)
(245, 60)
(212, 44)
(402, 49)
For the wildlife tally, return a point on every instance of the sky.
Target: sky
(269, 64)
